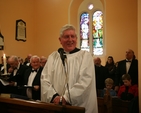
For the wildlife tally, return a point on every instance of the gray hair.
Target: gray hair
(34, 56)
(43, 58)
(13, 58)
(67, 27)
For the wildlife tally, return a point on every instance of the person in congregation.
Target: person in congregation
(101, 73)
(69, 78)
(16, 76)
(128, 90)
(43, 61)
(31, 79)
(127, 66)
(109, 83)
(21, 60)
(27, 60)
(110, 65)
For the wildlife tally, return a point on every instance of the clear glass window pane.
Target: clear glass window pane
(97, 33)
(84, 31)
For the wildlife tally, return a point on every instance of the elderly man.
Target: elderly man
(69, 78)
(16, 77)
(32, 79)
(43, 61)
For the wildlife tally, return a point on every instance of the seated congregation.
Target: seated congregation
(114, 81)
(124, 101)
(22, 80)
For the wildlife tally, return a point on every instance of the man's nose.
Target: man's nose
(70, 37)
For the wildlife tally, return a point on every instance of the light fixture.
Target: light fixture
(91, 6)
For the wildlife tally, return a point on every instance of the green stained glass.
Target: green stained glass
(97, 33)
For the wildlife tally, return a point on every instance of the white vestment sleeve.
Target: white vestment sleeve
(52, 78)
(47, 90)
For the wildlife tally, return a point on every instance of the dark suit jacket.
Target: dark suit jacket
(19, 75)
(17, 78)
(101, 74)
(36, 81)
(121, 69)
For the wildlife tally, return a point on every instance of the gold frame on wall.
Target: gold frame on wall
(20, 30)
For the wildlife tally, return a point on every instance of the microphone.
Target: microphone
(62, 55)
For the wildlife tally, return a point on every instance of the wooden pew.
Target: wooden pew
(118, 106)
(101, 105)
(13, 105)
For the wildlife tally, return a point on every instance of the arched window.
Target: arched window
(91, 27)
(97, 33)
(84, 31)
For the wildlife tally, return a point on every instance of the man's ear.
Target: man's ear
(60, 40)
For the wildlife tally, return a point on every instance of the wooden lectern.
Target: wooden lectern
(13, 105)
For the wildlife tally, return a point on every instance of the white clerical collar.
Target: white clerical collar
(67, 52)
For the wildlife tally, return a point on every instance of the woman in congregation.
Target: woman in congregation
(110, 65)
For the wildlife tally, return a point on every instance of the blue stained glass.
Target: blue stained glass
(84, 31)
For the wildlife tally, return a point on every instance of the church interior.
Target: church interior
(44, 18)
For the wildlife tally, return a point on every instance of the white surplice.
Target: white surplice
(81, 80)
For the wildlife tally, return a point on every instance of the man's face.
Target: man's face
(129, 54)
(13, 64)
(35, 63)
(68, 40)
(97, 61)
(43, 62)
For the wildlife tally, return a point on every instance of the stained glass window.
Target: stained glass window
(84, 31)
(97, 33)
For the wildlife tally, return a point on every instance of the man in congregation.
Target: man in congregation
(16, 76)
(69, 78)
(32, 79)
(101, 73)
(27, 60)
(43, 61)
(127, 66)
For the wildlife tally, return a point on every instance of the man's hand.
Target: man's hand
(58, 99)
(10, 70)
(36, 87)
(12, 83)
